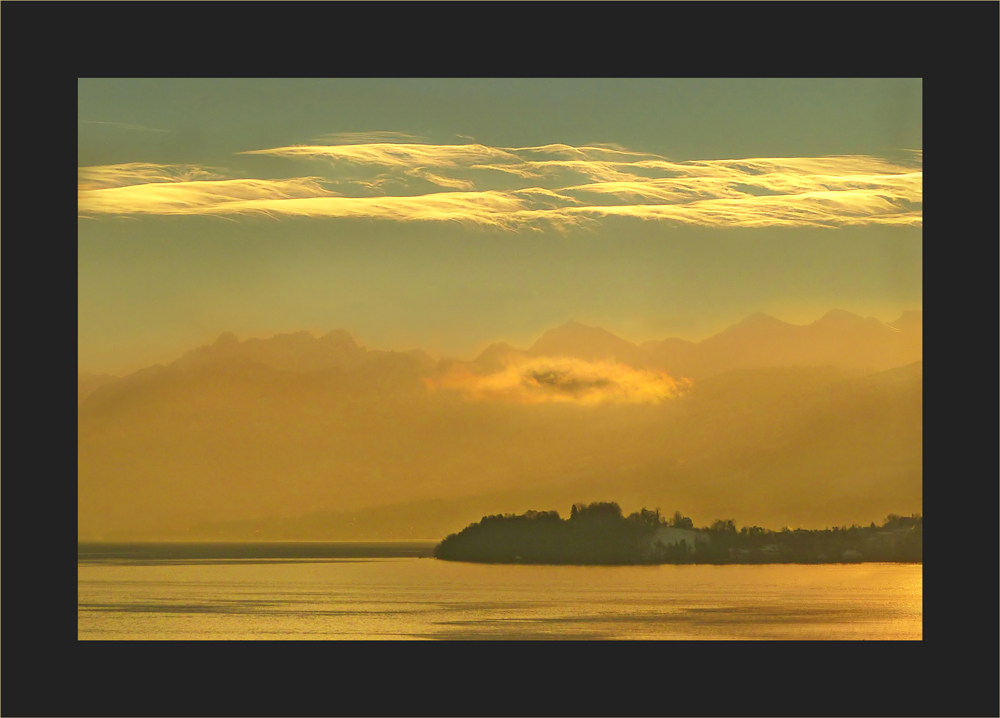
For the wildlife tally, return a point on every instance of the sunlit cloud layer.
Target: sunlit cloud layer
(138, 173)
(197, 197)
(561, 379)
(357, 138)
(555, 184)
(389, 154)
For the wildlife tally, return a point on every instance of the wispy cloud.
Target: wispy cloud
(806, 209)
(302, 197)
(355, 138)
(561, 379)
(138, 173)
(194, 197)
(442, 181)
(387, 154)
(754, 192)
(595, 151)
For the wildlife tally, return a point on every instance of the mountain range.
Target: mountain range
(838, 338)
(304, 437)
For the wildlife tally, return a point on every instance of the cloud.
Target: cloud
(353, 138)
(195, 197)
(454, 183)
(137, 173)
(752, 192)
(561, 379)
(484, 208)
(596, 170)
(302, 197)
(606, 152)
(398, 155)
(807, 209)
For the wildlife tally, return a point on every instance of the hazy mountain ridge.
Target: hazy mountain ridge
(88, 382)
(299, 351)
(215, 444)
(579, 341)
(838, 338)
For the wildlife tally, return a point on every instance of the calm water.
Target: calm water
(355, 591)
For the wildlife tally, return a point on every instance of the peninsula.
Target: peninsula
(599, 533)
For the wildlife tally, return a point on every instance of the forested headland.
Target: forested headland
(599, 533)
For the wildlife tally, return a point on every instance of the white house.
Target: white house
(666, 536)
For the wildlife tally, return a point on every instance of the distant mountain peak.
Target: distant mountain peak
(583, 342)
(909, 319)
(754, 322)
(339, 334)
(761, 318)
(840, 316)
(577, 327)
(497, 354)
(287, 351)
(497, 347)
(299, 337)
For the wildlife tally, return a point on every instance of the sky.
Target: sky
(450, 214)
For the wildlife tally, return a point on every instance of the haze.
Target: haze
(380, 309)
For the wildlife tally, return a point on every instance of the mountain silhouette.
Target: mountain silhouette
(496, 356)
(909, 320)
(782, 421)
(299, 351)
(838, 338)
(577, 340)
(88, 382)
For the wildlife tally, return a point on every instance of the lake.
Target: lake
(396, 591)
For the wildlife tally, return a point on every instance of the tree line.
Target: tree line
(599, 533)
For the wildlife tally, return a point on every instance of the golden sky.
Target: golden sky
(449, 214)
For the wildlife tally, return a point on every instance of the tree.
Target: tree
(681, 522)
(645, 517)
(724, 526)
(599, 512)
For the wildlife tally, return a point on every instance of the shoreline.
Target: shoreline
(683, 563)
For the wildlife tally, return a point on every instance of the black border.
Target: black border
(951, 46)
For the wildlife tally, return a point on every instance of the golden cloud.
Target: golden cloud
(561, 379)
(806, 209)
(133, 173)
(196, 197)
(277, 198)
(755, 192)
(355, 138)
(392, 154)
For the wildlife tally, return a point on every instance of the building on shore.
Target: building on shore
(667, 537)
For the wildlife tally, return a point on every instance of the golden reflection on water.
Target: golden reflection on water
(410, 598)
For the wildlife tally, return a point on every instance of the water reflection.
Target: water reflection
(409, 598)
